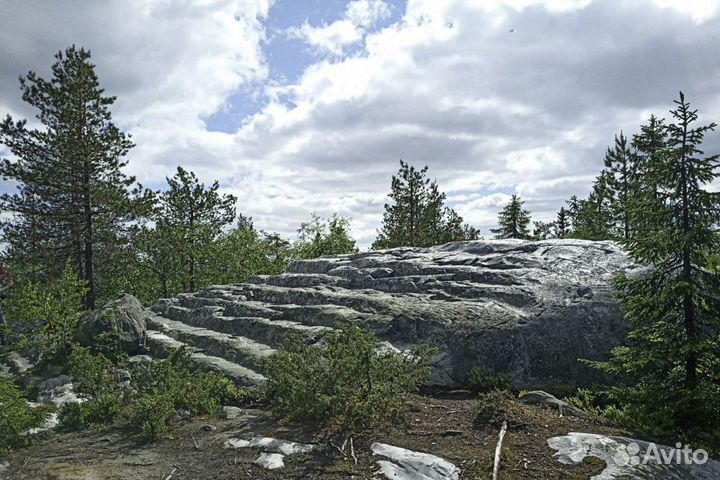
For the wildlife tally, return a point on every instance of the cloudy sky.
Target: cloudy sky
(298, 106)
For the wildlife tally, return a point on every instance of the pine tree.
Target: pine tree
(199, 213)
(562, 227)
(417, 216)
(73, 201)
(620, 164)
(513, 220)
(674, 308)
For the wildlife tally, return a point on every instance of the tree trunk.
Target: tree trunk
(688, 306)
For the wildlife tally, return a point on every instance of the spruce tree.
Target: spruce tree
(199, 213)
(673, 307)
(542, 230)
(561, 226)
(594, 220)
(513, 220)
(620, 164)
(573, 211)
(417, 216)
(73, 200)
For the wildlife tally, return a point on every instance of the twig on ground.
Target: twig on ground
(171, 474)
(352, 451)
(496, 466)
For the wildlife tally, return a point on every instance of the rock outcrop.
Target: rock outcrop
(629, 459)
(527, 309)
(119, 324)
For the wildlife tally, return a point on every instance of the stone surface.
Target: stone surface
(630, 459)
(544, 399)
(270, 445)
(271, 461)
(527, 309)
(408, 465)
(118, 324)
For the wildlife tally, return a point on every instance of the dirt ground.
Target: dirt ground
(446, 427)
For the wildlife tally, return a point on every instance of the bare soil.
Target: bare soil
(447, 427)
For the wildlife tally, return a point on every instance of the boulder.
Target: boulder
(528, 309)
(119, 324)
(544, 399)
(408, 465)
(630, 459)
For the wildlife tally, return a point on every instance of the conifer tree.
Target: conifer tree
(73, 199)
(594, 218)
(542, 230)
(513, 220)
(673, 308)
(561, 226)
(573, 210)
(620, 165)
(199, 213)
(417, 216)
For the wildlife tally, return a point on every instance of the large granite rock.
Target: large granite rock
(119, 324)
(528, 309)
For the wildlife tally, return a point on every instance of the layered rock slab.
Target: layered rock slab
(527, 309)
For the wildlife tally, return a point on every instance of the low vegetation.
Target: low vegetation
(147, 394)
(17, 417)
(346, 383)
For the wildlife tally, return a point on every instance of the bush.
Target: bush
(94, 379)
(49, 313)
(156, 392)
(482, 381)
(345, 383)
(17, 416)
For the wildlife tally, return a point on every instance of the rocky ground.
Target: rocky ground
(445, 427)
(527, 309)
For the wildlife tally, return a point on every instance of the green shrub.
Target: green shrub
(482, 381)
(49, 313)
(493, 408)
(156, 392)
(94, 379)
(17, 416)
(344, 383)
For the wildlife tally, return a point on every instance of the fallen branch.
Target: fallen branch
(352, 451)
(171, 474)
(496, 466)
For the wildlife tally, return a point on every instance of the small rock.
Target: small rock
(209, 428)
(139, 359)
(232, 413)
(271, 461)
(409, 465)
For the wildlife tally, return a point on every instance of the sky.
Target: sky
(300, 106)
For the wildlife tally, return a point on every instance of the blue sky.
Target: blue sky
(288, 57)
(301, 106)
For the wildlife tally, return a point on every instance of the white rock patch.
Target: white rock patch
(274, 450)
(409, 465)
(627, 463)
(271, 461)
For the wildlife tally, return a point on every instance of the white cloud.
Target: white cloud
(492, 113)
(335, 37)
